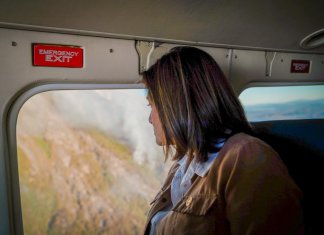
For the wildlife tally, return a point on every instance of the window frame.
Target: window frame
(274, 85)
(11, 158)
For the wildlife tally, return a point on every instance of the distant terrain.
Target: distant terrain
(302, 109)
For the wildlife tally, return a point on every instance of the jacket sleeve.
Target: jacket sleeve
(260, 196)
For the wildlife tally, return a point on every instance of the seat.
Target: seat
(300, 144)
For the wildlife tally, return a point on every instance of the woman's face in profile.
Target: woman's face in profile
(154, 119)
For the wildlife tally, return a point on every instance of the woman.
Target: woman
(223, 180)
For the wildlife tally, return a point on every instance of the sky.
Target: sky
(263, 95)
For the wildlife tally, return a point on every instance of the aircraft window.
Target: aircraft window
(88, 162)
(283, 103)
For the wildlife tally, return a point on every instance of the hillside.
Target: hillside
(78, 180)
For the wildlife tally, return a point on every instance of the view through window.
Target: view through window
(88, 162)
(283, 103)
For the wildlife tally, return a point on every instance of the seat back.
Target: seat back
(300, 144)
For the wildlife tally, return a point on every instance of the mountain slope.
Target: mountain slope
(78, 181)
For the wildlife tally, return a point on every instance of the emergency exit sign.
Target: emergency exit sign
(57, 56)
(300, 66)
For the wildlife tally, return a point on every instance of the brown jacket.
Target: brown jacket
(247, 191)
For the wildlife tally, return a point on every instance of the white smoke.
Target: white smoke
(122, 114)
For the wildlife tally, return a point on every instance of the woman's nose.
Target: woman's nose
(150, 118)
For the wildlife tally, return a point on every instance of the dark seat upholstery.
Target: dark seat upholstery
(300, 144)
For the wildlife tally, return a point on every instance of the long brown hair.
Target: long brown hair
(195, 102)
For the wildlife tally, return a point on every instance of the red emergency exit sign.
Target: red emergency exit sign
(300, 66)
(57, 56)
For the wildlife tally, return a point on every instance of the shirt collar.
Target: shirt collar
(182, 163)
(201, 168)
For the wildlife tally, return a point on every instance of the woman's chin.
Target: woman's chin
(159, 142)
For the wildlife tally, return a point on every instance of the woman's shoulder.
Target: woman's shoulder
(246, 156)
(248, 150)
(242, 141)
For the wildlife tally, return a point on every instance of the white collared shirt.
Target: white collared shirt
(181, 182)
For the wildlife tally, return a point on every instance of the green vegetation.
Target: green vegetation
(148, 176)
(41, 205)
(112, 144)
(43, 144)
